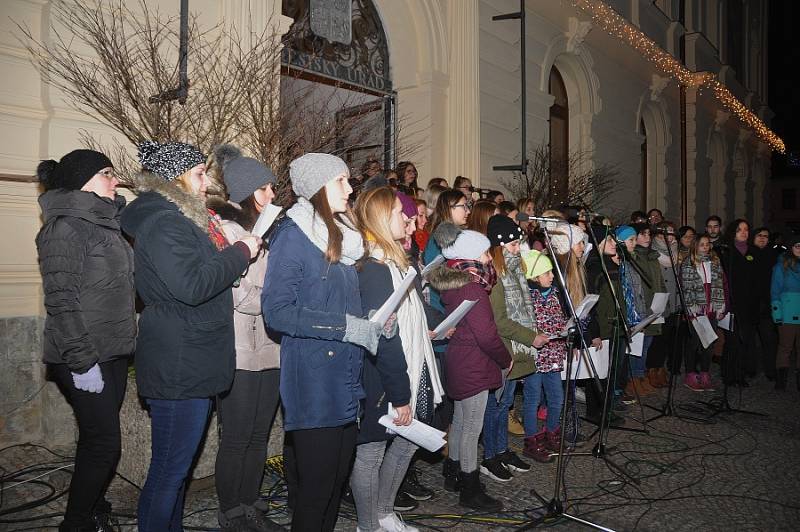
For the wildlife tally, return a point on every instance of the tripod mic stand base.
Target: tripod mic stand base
(555, 510)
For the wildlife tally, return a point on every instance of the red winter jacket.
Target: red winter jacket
(475, 353)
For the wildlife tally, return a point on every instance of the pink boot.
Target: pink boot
(692, 381)
(705, 382)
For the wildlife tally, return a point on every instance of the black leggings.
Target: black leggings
(246, 413)
(319, 460)
(99, 440)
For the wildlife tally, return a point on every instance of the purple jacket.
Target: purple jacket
(475, 353)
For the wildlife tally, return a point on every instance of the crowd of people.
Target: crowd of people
(247, 322)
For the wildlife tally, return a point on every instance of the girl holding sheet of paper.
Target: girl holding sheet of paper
(402, 372)
(516, 324)
(475, 355)
(706, 295)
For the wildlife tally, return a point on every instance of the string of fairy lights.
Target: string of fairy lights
(615, 25)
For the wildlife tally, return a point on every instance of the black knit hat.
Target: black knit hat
(73, 171)
(169, 160)
(502, 230)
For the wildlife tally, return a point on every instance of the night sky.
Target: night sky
(784, 60)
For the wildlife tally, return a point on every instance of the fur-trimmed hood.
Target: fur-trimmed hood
(444, 278)
(151, 188)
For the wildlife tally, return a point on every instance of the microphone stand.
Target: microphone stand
(555, 507)
(619, 318)
(668, 409)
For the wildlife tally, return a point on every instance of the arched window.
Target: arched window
(559, 140)
(643, 203)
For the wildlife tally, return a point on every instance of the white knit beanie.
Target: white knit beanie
(469, 245)
(312, 171)
(564, 236)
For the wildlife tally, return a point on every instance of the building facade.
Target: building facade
(455, 74)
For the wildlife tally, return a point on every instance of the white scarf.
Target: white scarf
(413, 329)
(315, 229)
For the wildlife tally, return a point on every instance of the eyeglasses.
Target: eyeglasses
(461, 205)
(110, 174)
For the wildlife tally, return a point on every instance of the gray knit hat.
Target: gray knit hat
(169, 160)
(242, 175)
(312, 171)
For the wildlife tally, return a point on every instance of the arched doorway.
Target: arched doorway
(559, 139)
(336, 85)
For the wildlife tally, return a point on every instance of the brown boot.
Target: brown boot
(644, 386)
(663, 377)
(656, 378)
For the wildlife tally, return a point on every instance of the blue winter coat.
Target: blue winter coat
(785, 293)
(305, 299)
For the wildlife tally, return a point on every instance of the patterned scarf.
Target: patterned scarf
(483, 274)
(215, 232)
(628, 278)
(519, 306)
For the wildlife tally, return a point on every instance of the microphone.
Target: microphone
(522, 217)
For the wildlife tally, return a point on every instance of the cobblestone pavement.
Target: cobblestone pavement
(731, 472)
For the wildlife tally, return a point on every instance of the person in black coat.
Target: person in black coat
(767, 256)
(740, 263)
(185, 350)
(90, 329)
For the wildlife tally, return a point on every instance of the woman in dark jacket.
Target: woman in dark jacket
(185, 349)
(403, 372)
(311, 298)
(475, 355)
(90, 329)
(740, 263)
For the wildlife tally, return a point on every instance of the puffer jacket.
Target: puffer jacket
(87, 279)
(185, 348)
(785, 293)
(476, 353)
(255, 350)
(647, 259)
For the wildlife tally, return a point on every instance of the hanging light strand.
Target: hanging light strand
(615, 25)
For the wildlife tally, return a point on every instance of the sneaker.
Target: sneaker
(494, 469)
(404, 503)
(628, 399)
(705, 382)
(692, 381)
(580, 395)
(257, 521)
(515, 425)
(513, 462)
(394, 523)
(412, 487)
(347, 496)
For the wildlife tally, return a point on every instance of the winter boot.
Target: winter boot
(691, 381)
(644, 386)
(705, 382)
(552, 441)
(233, 520)
(781, 376)
(450, 470)
(473, 494)
(515, 425)
(256, 519)
(534, 448)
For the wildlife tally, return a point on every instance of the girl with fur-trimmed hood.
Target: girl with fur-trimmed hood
(475, 355)
(185, 349)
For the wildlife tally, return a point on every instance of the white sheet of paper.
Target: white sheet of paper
(726, 322)
(581, 369)
(431, 265)
(637, 344)
(266, 219)
(639, 327)
(417, 432)
(393, 302)
(586, 251)
(586, 305)
(659, 305)
(704, 330)
(453, 318)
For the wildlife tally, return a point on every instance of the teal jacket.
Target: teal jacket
(785, 292)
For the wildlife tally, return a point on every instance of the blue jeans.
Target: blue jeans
(177, 428)
(532, 395)
(639, 364)
(495, 421)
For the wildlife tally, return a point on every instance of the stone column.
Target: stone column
(463, 145)
(691, 155)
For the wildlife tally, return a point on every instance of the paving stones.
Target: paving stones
(738, 472)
